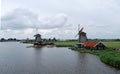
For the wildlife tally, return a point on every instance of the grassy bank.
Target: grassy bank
(108, 56)
(65, 43)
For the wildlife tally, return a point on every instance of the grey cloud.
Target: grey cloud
(22, 19)
(54, 22)
(18, 19)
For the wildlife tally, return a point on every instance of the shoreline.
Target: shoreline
(108, 56)
(105, 57)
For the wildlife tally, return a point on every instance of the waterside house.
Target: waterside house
(94, 45)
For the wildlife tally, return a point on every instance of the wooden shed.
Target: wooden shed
(94, 45)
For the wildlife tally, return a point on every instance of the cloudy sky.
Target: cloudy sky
(59, 18)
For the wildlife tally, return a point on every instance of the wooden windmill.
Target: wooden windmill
(37, 36)
(82, 35)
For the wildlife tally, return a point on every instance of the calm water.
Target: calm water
(15, 58)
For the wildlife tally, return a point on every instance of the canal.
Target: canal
(16, 58)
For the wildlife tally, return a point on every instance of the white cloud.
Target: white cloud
(22, 19)
(53, 22)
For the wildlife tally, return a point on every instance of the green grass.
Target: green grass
(65, 43)
(112, 44)
(108, 56)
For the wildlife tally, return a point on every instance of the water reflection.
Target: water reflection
(15, 58)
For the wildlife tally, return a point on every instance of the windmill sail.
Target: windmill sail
(81, 30)
(36, 30)
(76, 35)
(78, 30)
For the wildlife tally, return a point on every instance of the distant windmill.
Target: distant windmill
(37, 36)
(82, 35)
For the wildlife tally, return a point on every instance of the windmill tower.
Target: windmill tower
(81, 35)
(37, 37)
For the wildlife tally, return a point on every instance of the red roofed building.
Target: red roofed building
(93, 45)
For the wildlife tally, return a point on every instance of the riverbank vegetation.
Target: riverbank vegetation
(109, 56)
(65, 43)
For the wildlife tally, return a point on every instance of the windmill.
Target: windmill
(37, 36)
(82, 35)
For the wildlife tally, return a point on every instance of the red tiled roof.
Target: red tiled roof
(90, 43)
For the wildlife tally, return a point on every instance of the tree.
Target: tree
(14, 39)
(54, 39)
(2, 39)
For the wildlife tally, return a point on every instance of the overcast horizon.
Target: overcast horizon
(60, 18)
